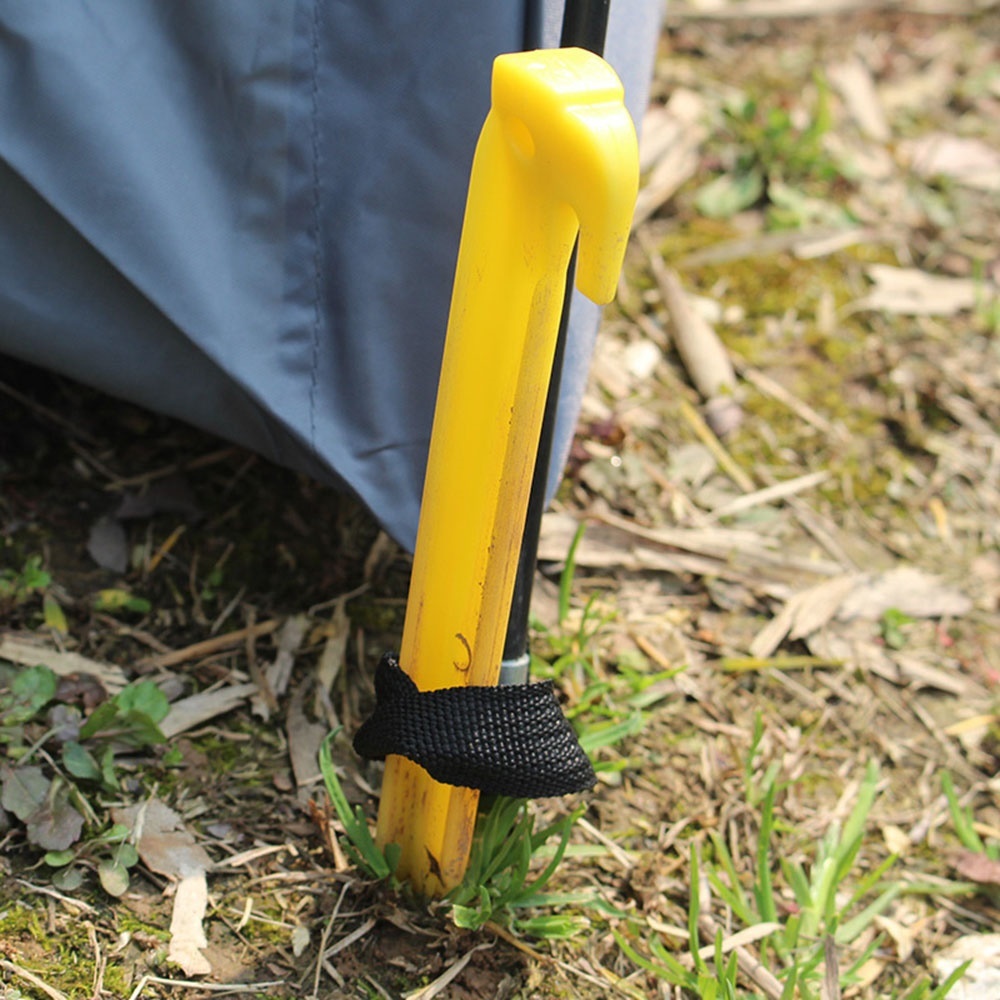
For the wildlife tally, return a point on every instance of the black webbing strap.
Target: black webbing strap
(511, 740)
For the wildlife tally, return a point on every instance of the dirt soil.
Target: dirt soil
(791, 567)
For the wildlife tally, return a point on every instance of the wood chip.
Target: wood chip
(30, 654)
(187, 713)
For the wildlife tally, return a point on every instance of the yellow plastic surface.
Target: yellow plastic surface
(557, 156)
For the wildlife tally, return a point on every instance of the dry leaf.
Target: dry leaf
(908, 291)
(107, 544)
(165, 846)
(857, 88)
(187, 933)
(968, 161)
(276, 674)
(304, 738)
(161, 839)
(977, 867)
(982, 978)
(64, 664)
(902, 936)
(193, 711)
(671, 137)
(804, 613)
(897, 840)
(913, 591)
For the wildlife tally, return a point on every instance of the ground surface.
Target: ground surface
(776, 594)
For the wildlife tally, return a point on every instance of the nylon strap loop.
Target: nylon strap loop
(502, 740)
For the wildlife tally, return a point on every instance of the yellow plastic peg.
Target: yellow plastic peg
(557, 156)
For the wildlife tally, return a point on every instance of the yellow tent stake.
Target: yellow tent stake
(557, 155)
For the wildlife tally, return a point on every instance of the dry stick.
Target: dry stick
(199, 650)
(714, 445)
(321, 963)
(811, 522)
(29, 977)
(779, 491)
(618, 853)
(194, 984)
(434, 988)
(349, 939)
(746, 962)
(71, 428)
(704, 356)
(544, 959)
(169, 470)
(769, 387)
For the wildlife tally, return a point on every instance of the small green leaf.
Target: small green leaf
(80, 762)
(115, 834)
(144, 697)
(469, 918)
(53, 614)
(30, 690)
(109, 779)
(126, 855)
(728, 194)
(140, 730)
(59, 859)
(892, 624)
(33, 577)
(114, 877)
(103, 717)
(67, 879)
(115, 599)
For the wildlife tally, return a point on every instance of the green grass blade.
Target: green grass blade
(566, 577)
(763, 888)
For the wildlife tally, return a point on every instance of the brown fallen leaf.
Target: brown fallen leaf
(977, 867)
(166, 846)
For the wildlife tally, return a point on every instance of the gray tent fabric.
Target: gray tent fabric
(247, 215)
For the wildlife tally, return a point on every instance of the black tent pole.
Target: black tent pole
(584, 26)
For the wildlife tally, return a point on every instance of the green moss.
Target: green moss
(129, 923)
(64, 959)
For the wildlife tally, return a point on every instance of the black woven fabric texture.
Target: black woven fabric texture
(511, 740)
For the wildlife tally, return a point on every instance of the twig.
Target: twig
(705, 358)
(48, 891)
(779, 491)
(322, 963)
(714, 445)
(621, 856)
(432, 989)
(538, 956)
(194, 984)
(776, 391)
(169, 470)
(30, 977)
(746, 961)
(199, 650)
(349, 939)
(71, 427)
